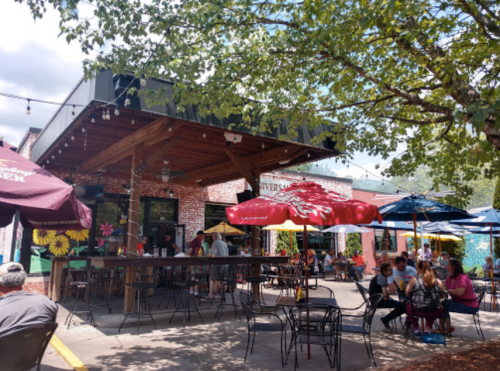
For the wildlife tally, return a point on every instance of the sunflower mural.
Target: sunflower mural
(78, 235)
(59, 245)
(43, 237)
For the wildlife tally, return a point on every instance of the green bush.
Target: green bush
(353, 243)
(284, 243)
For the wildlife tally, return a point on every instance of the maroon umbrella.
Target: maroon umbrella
(44, 201)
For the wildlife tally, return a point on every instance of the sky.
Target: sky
(36, 63)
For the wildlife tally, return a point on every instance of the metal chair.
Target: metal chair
(254, 325)
(364, 329)
(186, 303)
(24, 349)
(436, 311)
(228, 280)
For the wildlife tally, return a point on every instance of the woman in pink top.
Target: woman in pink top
(463, 298)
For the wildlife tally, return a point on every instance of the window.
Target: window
(381, 240)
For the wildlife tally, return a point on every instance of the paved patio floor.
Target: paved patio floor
(221, 345)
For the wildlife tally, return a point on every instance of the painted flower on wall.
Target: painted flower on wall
(123, 219)
(100, 242)
(59, 245)
(43, 237)
(107, 229)
(78, 235)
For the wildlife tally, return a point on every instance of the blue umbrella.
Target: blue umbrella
(345, 228)
(419, 208)
(388, 226)
(438, 227)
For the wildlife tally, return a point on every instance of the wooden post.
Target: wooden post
(256, 235)
(25, 255)
(133, 220)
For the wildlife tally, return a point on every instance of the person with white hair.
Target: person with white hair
(19, 309)
(219, 248)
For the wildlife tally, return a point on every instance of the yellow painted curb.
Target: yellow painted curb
(67, 354)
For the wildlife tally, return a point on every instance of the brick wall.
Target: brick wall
(37, 285)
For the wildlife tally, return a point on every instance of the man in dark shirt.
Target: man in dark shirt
(409, 262)
(17, 308)
(170, 246)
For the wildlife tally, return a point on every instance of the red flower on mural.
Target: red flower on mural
(107, 229)
(100, 242)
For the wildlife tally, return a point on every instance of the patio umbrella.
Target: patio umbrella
(290, 227)
(43, 200)
(438, 227)
(345, 228)
(419, 208)
(304, 204)
(487, 218)
(224, 229)
(388, 226)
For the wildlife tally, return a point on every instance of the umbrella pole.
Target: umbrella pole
(307, 289)
(387, 246)
(415, 235)
(491, 270)
(291, 244)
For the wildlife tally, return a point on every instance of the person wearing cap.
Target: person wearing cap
(19, 309)
(425, 254)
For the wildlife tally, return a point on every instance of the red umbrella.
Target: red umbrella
(44, 201)
(304, 204)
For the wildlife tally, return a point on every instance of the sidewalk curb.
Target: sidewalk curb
(67, 354)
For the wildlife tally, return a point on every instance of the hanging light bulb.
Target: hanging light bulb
(73, 113)
(308, 154)
(43, 166)
(92, 120)
(53, 157)
(133, 121)
(108, 116)
(59, 150)
(28, 109)
(127, 102)
(72, 137)
(286, 149)
(117, 112)
(103, 114)
(84, 129)
(171, 193)
(170, 128)
(263, 145)
(48, 161)
(66, 144)
(204, 135)
(143, 80)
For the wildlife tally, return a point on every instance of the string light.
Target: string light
(73, 113)
(48, 161)
(72, 137)
(92, 120)
(59, 150)
(308, 154)
(204, 135)
(53, 157)
(170, 128)
(143, 80)
(103, 114)
(117, 112)
(66, 144)
(263, 145)
(108, 116)
(133, 120)
(127, 102)
(286, 149)
(28, 109)
(84, 129)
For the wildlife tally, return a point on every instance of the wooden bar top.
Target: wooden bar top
(65, 258)
(117, 262)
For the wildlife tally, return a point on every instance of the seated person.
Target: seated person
(382, 284)
(463, 298)
(341, 265)
(296, 259)
(384, 258)
(141, 245)
(403, 274)
(312, 262)
(358, 267)
(488, 268)
(426, 292)
(17, 308)
(443, 260)
(329, 260)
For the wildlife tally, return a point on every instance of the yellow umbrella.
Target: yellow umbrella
(291, 227)
(434, 236)
(225, 229)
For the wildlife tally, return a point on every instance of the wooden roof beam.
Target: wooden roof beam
(242, 168)
(151, 133)
(150, 161)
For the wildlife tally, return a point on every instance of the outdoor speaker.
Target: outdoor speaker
(245, 196)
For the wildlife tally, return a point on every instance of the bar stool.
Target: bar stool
(186, 303)
(143, 283)
(73, 277)
(251, 281)
(229, 284)
(82, 297)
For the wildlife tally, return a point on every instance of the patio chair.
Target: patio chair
(437, 312)
(255, 325)
(472, 272)
(440, 272)
(23, 349)
(323, 331)
(317, 315)
(364, 329)
(228, 287)
(480, 293)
